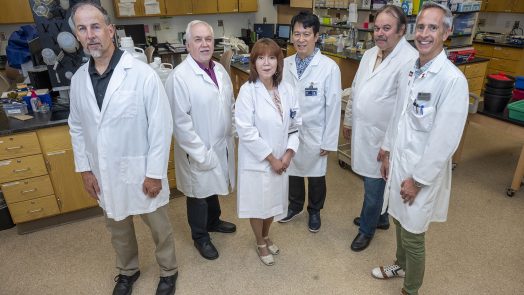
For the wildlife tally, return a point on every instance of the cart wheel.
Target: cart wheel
(510, 192)
(453, 166)
(341, 164)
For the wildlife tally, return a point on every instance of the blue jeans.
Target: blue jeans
(373, 200)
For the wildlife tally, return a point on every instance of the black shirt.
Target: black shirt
(100, 82)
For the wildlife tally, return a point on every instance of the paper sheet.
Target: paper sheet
(127, 1)
(126, 9)
(352, 13)
(152, 7)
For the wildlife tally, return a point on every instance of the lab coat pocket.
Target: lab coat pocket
(210, 162)
(124, 104)
(133, 169)
(422, 120)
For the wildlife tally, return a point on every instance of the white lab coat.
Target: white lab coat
(262, 193)
(374, 93)
(125, 141)
(320, 113)
(422, 143)
(203, 121)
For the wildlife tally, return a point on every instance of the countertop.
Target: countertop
(40, 120)
(499, 44)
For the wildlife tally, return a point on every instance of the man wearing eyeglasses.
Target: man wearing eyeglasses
(425, 131)
(374, 92)
(316, 80)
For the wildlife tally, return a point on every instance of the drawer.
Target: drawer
(462, 68)
(34, 209)
(27, 189)
(19, 145)
(475, 70)
(171, 178)
(484, 50)
(507, 53)
(475, 83)
(21, 168)
(54, 138)
(504, 65)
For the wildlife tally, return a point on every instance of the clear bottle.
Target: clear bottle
(127, 44)
(35, 101)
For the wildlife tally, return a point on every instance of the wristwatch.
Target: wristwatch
(417, 184)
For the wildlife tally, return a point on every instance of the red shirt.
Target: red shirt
(210, 70)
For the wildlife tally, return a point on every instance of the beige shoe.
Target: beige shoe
(268, 259)
(273, 249)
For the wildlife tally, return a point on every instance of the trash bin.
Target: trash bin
(5, 217)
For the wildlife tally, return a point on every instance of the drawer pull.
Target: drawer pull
(21, 170)
(28, 191)
(14, 148)
(35, 210)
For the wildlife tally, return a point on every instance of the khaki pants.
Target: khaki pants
(411, 256)
(124, 242)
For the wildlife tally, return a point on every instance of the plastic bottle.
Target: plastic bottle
(126, 43)
(35, 101)
(340, 43)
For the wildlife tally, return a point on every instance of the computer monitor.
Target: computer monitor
(35, 48)
(283, 31)
(136, 32)
(265, 30)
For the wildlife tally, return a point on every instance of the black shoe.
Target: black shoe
(224, 227)
(314, 222)
(124, 284)
(360, 242)
(291, 214)
(167, 285)
(207, 250)
(356, 222)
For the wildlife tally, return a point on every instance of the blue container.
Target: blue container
(519, 82)
(44, 98)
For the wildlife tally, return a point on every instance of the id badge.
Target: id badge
(424, 96)
(311, 91)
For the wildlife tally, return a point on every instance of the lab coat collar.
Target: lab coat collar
(260, 88)
(198, 71)
(292, 65)
(385, 62)
(438, 62)
(119, 74)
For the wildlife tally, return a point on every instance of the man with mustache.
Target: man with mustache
(201, 97)
(121, 128)
(374, 92)
(427, 125)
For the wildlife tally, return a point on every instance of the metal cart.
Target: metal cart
(344, 155)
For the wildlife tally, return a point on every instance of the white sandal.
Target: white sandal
(273, 249)
(268, 259)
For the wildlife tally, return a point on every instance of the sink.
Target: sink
(57, 115)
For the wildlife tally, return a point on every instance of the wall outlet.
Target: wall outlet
(220, 23)
(157, 27)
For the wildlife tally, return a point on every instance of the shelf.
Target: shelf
(460, 35)
(346, 27)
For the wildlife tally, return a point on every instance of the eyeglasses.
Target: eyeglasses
(432, 28)
(305, 34)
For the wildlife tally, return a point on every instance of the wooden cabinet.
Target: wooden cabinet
(503, 5)
(348, 69)
(225, 6)
(19, 145)
(247, 5)
(475, 75)
(33, 209)
(15, 12)
(142, 9)
(179, 7)
(301, 3)
(205, 6)
(67, 184)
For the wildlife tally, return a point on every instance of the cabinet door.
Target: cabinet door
(301, 3)
(518, 6)
(138, 9)
(247, 5)
(499, 5)
(67, 184)
(205, 6)
(151, 11)
(179, 7)
(225, 6)
(15, 12)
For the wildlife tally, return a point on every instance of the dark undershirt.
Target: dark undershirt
(100, 82)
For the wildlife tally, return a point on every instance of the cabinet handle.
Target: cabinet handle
(28, 191)
(35, 210)
(14, 148)
(56, 153)
(21, 170)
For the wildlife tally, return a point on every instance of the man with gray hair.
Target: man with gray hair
(120, 127)
(201, 98)
(428, 121)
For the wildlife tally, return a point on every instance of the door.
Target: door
(247, 5)
(68, 185)
(225, 6)
(15, 12)
(205, 6)
(179, 7)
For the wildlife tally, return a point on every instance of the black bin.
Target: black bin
(5, 217)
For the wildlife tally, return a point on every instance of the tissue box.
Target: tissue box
(44, 98)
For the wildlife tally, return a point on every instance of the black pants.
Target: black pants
(316, 191)
(202, 215)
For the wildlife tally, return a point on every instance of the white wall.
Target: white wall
(497, 22)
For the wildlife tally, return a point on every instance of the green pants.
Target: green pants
(411, 256)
